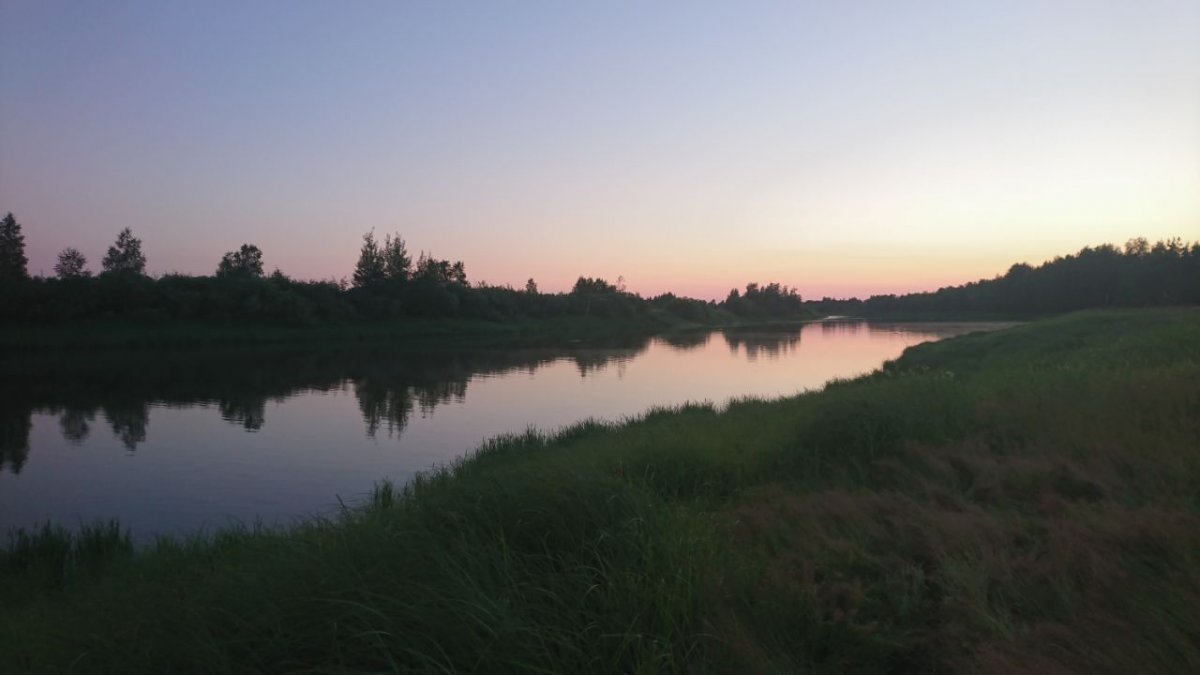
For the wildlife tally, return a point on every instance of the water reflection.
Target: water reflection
(842, 326)
(177, 440)
(75, 424)
(770, 344)
(390, 385)
(687, 341)
(15, 425)
(129, 420)
(248, 411)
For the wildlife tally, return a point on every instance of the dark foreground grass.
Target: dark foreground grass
(1021, 501)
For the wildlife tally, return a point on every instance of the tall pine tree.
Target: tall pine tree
(13, 262)
(397, 264)
(371, 267)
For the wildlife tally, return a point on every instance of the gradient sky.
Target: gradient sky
(844, 148)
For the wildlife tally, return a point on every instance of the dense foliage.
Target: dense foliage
(12, 250)
(764, 301)
(1139, 275)
(387, 284)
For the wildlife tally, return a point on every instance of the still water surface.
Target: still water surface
(183, 441)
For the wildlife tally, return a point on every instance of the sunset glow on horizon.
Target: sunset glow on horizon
(845, 149)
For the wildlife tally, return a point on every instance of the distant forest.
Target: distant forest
(1138, 275)
(387, 284)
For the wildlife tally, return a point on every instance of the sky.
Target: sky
(843, 148)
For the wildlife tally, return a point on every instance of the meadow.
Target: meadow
(1026, 500)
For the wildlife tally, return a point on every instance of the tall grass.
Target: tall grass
(1022, 501)
(50, 557)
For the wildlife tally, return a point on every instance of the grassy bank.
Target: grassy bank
(1026, 500)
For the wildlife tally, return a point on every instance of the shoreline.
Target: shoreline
(937, 514)
(95, 336)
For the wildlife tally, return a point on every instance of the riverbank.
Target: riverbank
(32, 338)
(28, 339)
(1015, 501)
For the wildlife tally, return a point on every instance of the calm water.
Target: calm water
(179, 441)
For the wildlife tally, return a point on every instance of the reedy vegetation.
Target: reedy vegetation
(1018, 501)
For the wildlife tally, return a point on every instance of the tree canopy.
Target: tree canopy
(13, 262)
(397, 264)
(371, 267)
(125, 255)
(389, 284)
(71, 264)
(1136, 275)
(244, 263)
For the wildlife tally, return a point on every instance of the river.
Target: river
(190, 440)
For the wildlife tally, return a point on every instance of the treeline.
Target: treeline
(1138, 275)
(387, 284)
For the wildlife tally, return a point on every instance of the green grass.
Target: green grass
(1019, 501)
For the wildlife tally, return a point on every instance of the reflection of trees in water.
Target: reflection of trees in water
(389, 385)
(15, 424)
(431, 395)
(390, 403)
(390, 391)
(769, 343)
(383, 405)
(842, 327)
(686, 341)
(249, 411)
(128, 421)
(593, 364)
(74, 424)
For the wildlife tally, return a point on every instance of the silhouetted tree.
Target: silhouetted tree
(12, 250)
(772, 300)
(589, 286)
(1138, 246)
(443, 271)
(125, 256)
(685, 308)
(1137, 274)
(597, 295)
(244, 263)
(397, 264)
(371, 267)
(71, 264)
